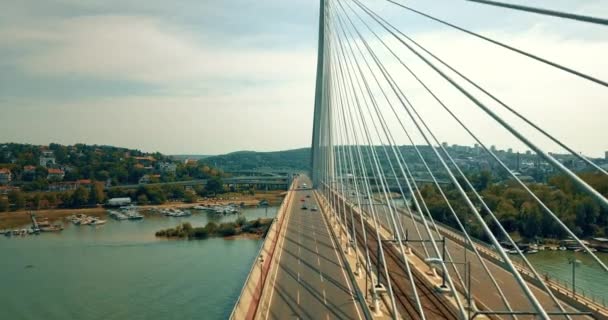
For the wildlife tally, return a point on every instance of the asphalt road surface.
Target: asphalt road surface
(311, 281)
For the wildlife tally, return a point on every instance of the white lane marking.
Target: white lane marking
(298, 297)
(318, 261)
(317, 249)
(324, 298)
(321, 275)
(298, 276)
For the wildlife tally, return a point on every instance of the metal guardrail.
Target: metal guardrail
(259, 254)
(276, 240)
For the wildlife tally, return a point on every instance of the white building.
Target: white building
(167, 167)
(118, 202)
(47, 159)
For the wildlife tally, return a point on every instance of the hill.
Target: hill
(296, 159)
(182, 157)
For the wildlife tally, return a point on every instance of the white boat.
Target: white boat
(86, 221)
(117, 215)
(133, 215)
(562, 248)
(532, 251)
(96, 222)
(178, 213)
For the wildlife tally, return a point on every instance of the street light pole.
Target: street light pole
(573, 262)
(261, 261)
(443, 275)
(467, 267)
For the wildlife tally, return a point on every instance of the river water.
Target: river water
(122, 271)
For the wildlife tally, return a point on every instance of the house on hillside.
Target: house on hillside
(70, 185)
(145, 161)
(47, 159)
(167, 167)
(55, 174)
(4, 190)
(29, 169)
(5, 176)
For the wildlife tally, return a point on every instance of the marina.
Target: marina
(128, 212)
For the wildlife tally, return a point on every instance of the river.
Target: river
(122, 271)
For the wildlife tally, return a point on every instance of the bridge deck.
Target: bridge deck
(311, 282)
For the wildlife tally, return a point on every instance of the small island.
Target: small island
(241, 227)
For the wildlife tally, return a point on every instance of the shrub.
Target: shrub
(241, 221)
(211, 227)
(199, 233)
(227, 229)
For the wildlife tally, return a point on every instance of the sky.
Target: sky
(211, 77)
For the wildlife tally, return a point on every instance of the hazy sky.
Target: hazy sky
(209, 77)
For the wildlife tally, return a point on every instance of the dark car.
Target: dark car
(304, 207)
(307, 196)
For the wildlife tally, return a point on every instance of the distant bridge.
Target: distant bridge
(257, 182)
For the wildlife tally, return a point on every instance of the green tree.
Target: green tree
(142, 199)
(4, 205)
(482, 180)
(80, 197)
(97, 194)
(17, 198)
(36, 201)
(190, 197)
(215, 185)
(240, 221)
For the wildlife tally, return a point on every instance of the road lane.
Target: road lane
(311, 282)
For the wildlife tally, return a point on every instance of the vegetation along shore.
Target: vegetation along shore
(241, 227)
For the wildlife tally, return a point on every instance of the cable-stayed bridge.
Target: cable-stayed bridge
(345, 249)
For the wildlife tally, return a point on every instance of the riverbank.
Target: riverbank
(17, 219)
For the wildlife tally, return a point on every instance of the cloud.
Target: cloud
(564, 105)
(220, 76)
(145, 49)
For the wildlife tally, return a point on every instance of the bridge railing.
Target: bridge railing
(247, 304)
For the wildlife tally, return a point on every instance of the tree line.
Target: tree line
(96, 194)
(517, 210)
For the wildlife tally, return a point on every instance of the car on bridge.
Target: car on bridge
(313, 208)
(304, 207)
